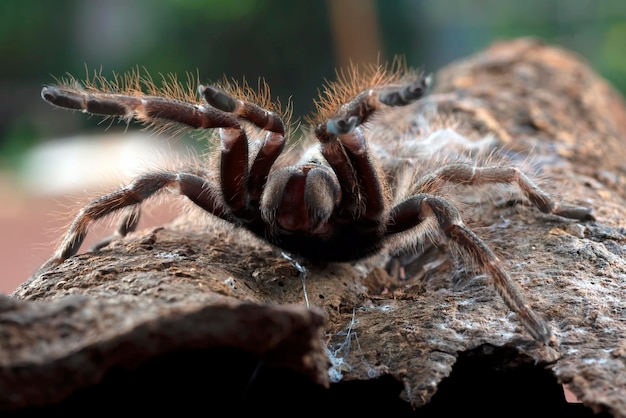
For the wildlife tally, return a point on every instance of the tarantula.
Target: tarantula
(333, 205)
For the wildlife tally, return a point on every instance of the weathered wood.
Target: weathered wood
(162, 294)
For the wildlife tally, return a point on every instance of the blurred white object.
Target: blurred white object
(88, 162)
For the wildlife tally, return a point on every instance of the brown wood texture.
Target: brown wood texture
(202, 299)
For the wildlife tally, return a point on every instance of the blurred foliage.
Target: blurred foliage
(288, 42)
(221, 11)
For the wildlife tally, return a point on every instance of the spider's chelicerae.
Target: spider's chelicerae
(343, 200)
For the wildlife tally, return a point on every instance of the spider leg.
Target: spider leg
(344, 146)
(423, 207)
(243, 186)
(251, 112)
(358, 176)
(146, 109)
(471, 175)
(362, 106)
(128, 224)
(196, 188)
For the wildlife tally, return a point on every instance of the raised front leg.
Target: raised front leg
(144, 108)
(344, 146)
(242, 185)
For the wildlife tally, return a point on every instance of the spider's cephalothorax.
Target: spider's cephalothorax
(333, 205)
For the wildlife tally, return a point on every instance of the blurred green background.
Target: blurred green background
(293, 44)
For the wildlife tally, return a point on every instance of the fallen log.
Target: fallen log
(186, 317)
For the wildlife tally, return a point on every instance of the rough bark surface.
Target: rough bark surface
(216, 303)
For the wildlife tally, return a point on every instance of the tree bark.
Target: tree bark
(136, 323)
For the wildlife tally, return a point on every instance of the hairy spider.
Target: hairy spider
(337, 203)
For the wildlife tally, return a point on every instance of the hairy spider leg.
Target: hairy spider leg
(469, 175)
(412, 212)
(128, 223)
(144, 108)
(419, 208)
(196, 188)
(242, 186)
(344, 146)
